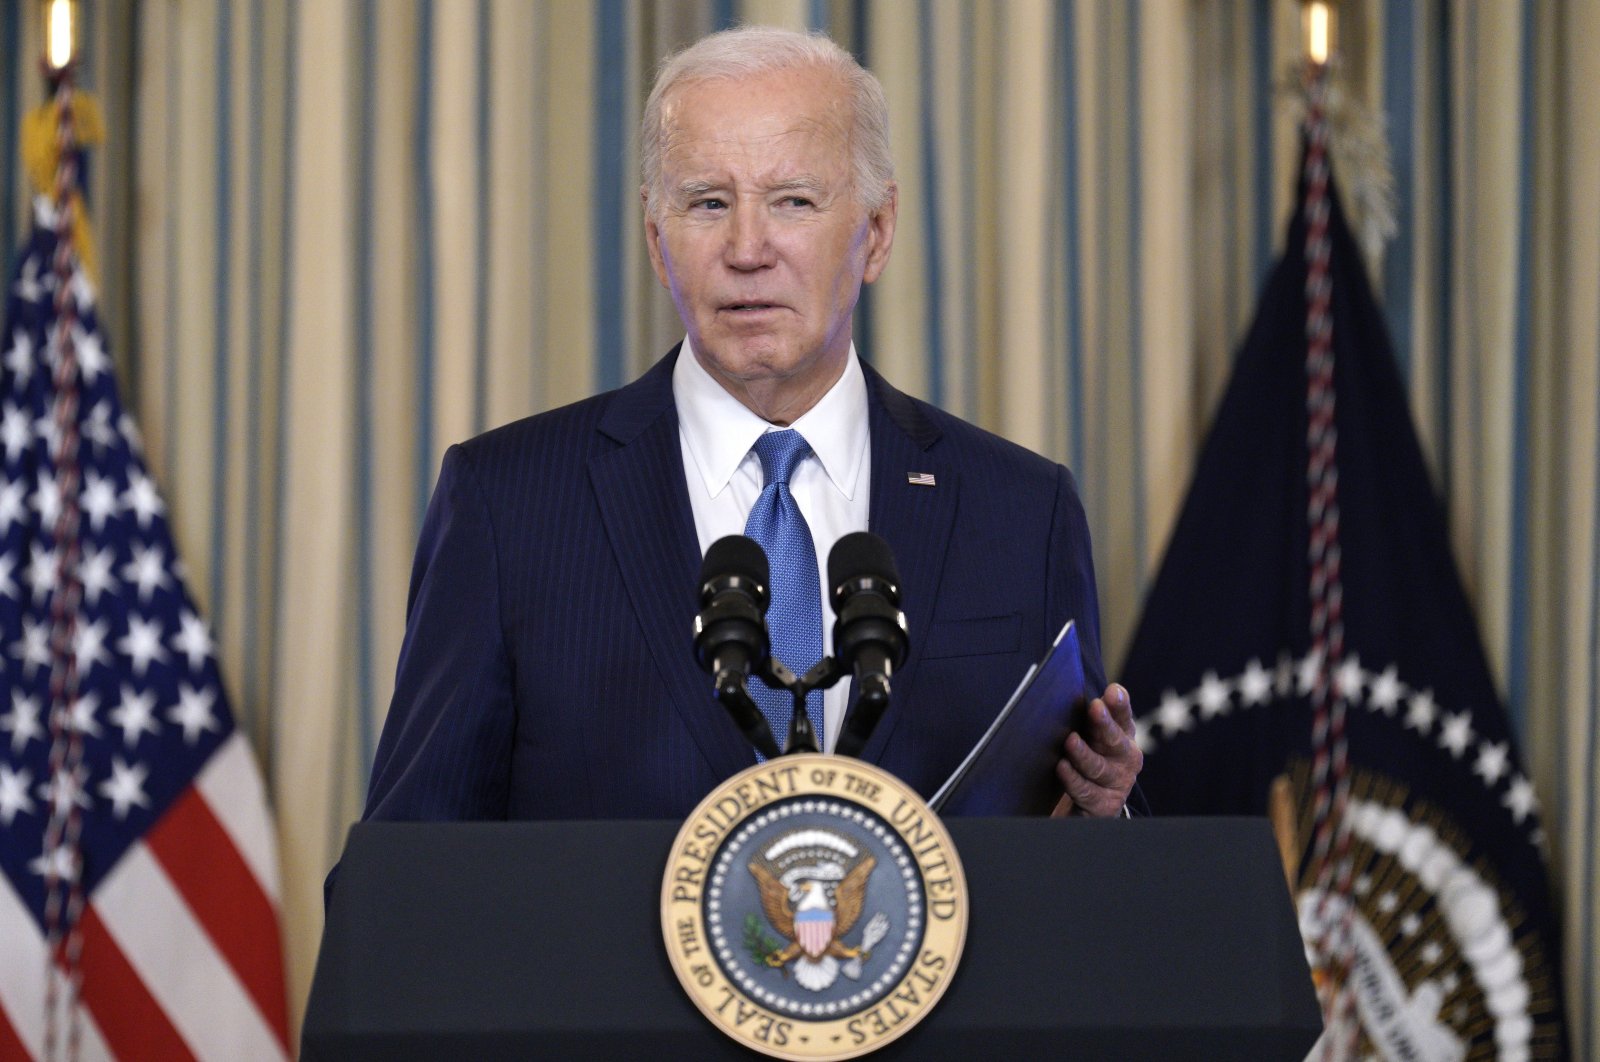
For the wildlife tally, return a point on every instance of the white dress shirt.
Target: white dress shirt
(830, 485)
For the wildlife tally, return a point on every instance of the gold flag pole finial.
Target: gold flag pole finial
(53, 134)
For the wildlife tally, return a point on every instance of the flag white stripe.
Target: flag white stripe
(232, 787)
(22, 983)
(180, 966)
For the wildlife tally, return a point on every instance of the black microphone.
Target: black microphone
(869, 631)
(730, 633)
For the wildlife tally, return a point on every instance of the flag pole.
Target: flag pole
(62, 855)
(1330, 867)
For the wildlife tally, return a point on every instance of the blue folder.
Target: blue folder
(1012, 768)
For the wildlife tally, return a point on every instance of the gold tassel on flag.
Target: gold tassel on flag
(41, 155)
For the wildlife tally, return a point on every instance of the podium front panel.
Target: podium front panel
(1155, 938)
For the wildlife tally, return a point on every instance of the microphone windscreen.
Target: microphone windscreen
(740, 556)
(859, 554)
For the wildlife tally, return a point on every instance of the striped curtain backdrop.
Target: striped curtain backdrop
(339, 235)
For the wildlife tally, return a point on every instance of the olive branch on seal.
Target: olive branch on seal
(758, 942)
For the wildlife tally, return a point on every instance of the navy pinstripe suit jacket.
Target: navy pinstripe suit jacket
(547, 668)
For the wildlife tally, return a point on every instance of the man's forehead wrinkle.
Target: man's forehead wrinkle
(730, 159)
(778, 180)
(725, 140)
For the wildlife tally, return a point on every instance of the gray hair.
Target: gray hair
(747, 51)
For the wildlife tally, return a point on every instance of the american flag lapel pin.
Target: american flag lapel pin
(920, 479)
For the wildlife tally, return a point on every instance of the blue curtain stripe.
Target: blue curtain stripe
(1232, 159)
(1399, 96)
(169, 361)
(422, 173)
(249, 704)
(860, 38)
(480, 223)
(364, 367)
(1261, 93)
(1103, 303)
(538, 250)
(86, 34)
(222, 294)
(817, 15)
(10, 113)
(1136, 294)
(610, 180)
(933, 256)
(1521, 473)
(1072, 252)
(1444, 224)
(969, 218)
(1470, 397)
(280, 436)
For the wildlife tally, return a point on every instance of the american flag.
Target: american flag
(174, 950)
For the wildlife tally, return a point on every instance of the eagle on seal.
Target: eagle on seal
(813, 885)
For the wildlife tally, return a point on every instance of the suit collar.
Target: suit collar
(637, 406)
(644, 505)
(914, 518)
(902, 411)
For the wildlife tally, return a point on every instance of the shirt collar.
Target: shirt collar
(720, 430)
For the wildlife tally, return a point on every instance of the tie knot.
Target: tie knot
(780, 451)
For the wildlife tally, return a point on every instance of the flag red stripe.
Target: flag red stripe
(10, 1042)
(227, 900)
(132, 1022)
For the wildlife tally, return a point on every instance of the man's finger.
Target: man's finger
(1120, 707)
(1089, 763)
(1103, 731)
(1079, 789)
(1086, 796)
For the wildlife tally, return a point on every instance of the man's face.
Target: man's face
(759, 235)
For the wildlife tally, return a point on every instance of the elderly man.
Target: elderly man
(547, 670)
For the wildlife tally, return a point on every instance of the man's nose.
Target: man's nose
(749, 245)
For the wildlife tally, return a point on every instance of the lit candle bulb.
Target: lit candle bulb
(60, 24)
(1319, 31)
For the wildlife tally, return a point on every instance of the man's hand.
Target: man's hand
(1098, 774)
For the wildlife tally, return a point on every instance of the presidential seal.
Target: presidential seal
(814, 908)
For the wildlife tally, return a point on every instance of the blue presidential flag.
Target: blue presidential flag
(1307, 634)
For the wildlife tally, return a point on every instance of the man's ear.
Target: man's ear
(652, 239)
(880, 235)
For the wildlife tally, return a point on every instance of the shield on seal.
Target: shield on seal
(814, 927)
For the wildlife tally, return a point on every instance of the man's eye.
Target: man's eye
(706, 204)
(796, 201)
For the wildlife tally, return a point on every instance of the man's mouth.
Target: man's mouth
(750, 307)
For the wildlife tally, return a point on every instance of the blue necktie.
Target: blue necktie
(794, 616)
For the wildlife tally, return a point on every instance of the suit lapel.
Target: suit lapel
(644, 505)
(914, 518)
